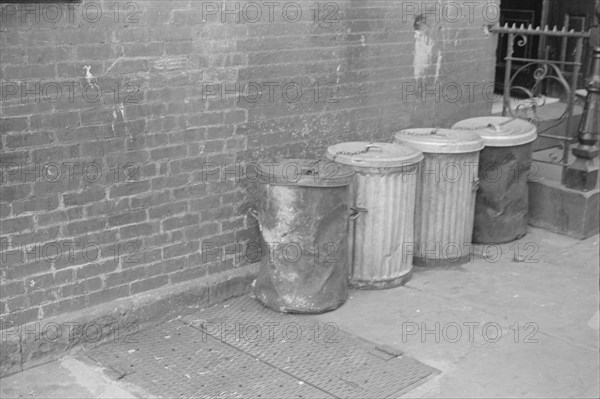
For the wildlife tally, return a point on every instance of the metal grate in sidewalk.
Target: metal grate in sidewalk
(241, 349)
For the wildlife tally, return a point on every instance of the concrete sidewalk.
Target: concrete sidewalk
(519, 320)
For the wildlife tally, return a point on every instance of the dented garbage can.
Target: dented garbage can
(384, 187)
(502, 203)
(303, 215)
(446, 193)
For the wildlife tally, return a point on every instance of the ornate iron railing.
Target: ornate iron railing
(545, 70)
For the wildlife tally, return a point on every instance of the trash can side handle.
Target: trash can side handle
(355, 212)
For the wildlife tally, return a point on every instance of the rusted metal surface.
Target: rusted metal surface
(502, 202)
(304, 223)
(502, 206)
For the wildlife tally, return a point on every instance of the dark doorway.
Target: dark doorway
(573, 14)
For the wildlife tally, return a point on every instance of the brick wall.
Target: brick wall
(115, 116)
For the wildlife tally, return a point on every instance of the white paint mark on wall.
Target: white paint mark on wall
(113, 64)
(438, 65)
(423, 50)
(112, 125)
(91, 79)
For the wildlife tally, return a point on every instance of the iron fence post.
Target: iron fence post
(583, 173)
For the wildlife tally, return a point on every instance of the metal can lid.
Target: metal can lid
(500, 131)
(303, 172)
(363, 154)
(441, 141)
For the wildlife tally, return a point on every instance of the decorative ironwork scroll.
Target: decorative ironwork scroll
(545, 70)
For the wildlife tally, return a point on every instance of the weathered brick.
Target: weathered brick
(233, 224)
(107, 207)
(87, 226)
(39, 282)
(190, 191)
(163, 211)
(84, 197)
(27, 269)
(201, 231)
(15, 157)
(81, 287)
(131, 188)
(11, 289)
(180, 249)
(135, 258)
(12, 193)
(202, 204)
(180, 221)
(41, 297)
(169, 152)
(95, 52)
(54, 121)
(148, 284)
(5, 210)
(18, 303)
(125, 276)
(127, 218)
(19, 318)
(29, 139)
(153, 199)
(108, 295)
(96, 269)
(177, 180)
(44, 187)
(16, 124)
(141, 49)
(137, 230)
(189, 274)
(64, 306)
(101, 148)
(55, 154)
(10, 226)
(24, 72)
(59, 216)
(36, 204)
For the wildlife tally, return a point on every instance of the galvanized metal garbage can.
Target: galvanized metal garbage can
(303, 214)
(502, 204)
(385, 186)
(446, 194)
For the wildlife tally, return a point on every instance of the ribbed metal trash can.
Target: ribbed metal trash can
(385, 186)
(303, 214)
(446, 194)
(502, 204)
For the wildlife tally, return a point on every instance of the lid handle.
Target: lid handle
(369, 146)
(436, 131)
(495, 126)
(310, 169)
